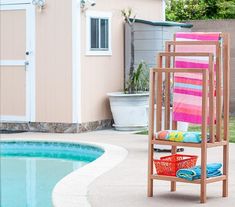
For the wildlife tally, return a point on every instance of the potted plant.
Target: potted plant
(129, 108)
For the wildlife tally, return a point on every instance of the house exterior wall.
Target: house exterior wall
(12, 47)
(221, 26)
(54, 62)
(103, 74)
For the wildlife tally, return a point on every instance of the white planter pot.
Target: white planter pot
(129, 111)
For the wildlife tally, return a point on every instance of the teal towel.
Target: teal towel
(212, 170)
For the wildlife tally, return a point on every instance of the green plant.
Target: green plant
(130, 20)
(139, 80)
(183, 10)
(180, 10)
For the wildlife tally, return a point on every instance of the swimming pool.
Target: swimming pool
(30, 170)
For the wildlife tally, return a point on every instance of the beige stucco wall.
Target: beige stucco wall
(102, 74)
(53, 54)
(12, 78)
(12, 91)
(54, 62)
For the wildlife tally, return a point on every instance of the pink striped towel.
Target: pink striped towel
(187, 92)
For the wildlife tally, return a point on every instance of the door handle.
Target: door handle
(26, 64)
(28, 52)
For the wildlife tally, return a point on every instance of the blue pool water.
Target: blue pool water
(30, 170)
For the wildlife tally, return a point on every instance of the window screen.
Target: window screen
(99, 34)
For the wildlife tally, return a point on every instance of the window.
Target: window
(98, 33)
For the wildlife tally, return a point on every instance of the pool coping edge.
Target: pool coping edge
(72, 190)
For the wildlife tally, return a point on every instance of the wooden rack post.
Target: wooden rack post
(226, 94)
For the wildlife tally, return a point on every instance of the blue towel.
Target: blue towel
(212, 170)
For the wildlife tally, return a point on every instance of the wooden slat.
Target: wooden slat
(174, 50)
(174, 123)
(167, 95)
(218, 93)
(226, 83)
(151, 132)
(226, 93)
(215, 179)
(158, 76)
(195, 145)
(211, 98)
(217, 144)
(163, 142)
(151, 104)
(178, 70)
(225, 169)
(159, 97)
(204, 135)
(198, 181)
(168, 51)
(184, 54)
(174, 43)
(175, 179)
(173, 183)
(167, 104)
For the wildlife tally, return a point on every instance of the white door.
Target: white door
(17, 62)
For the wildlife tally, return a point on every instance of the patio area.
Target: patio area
(126, 184)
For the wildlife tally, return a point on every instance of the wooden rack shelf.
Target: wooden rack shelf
(183, 144)
(198, 181)
(211, 105)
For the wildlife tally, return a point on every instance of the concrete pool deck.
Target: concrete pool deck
(125, 184)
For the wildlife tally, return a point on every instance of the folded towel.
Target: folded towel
(212, 170)
(180, 136)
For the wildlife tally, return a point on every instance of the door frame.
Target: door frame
(30, 69)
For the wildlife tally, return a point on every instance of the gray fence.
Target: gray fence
(221, 26)
(150, 37)
(149, 40)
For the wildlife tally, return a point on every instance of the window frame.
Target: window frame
(98, 15)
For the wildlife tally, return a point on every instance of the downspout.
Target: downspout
(163, 10)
